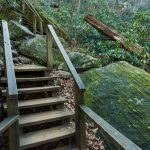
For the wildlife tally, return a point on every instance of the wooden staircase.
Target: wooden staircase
(43, 117)
(36, 117)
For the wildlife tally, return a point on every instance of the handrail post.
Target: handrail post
(12, 91)
(12, 103)
(50, 60)
(34, 24)
(23, 6)
(41, 26)
(80, 118)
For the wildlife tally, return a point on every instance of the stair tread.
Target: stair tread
(35, 89)
(4, 80)
(69, 147)
(43, 117)
(26, 68)
(44, 136)
(39, 102)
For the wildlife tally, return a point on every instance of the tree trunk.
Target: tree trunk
(114, 35)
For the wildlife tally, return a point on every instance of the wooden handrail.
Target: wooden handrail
(7, 122)
(9, 67)
(67, 59)
(36, 17)
(12, 91)
(118, 139)
(81, 111)
(28, 3)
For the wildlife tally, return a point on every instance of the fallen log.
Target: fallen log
(114, 35)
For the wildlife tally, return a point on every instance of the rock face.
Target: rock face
(120, 93)
(81, 62)
(17, 30)
(34, 48)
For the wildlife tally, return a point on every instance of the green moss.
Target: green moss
(120, 93)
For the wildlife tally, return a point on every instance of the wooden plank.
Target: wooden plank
(41, 27)
(69, 147)
(44, 117)
(67, 59)
(45, 136)
(9, 67)
(50, 61)
(35, 79)
(118, 139)
(31, 68)
(34, 23)
(31, 7)
(35, 90)
(23, 7)
(6, 123)
(39, 102)
(11, 92)
(80, 118)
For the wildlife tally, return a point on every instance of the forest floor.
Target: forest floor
(93, 142)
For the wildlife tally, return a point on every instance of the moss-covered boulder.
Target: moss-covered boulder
(17, 30)
(120, 93)
(34, 48)
(81, 62)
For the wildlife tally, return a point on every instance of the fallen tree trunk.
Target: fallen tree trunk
(114, 35)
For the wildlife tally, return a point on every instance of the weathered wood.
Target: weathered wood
(40, 102)
(67, 59)
(31, 68)
(34, 90)
(114, 35)
(23, 7)
(41, 27)
(50, 61)
(12, 92)
(35, 79)
(80, 119)
(44, 117)
(118, 139)
(6, 123)
(34, 24)
(45, 136)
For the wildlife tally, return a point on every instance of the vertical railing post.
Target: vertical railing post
(50, 60)
(23, 7)
(12, 91)
(41, 26)
(12, 104)
(80, 118)
(34, 24)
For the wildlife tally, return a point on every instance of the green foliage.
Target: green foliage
(135, 27)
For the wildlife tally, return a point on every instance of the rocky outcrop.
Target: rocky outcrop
(120, 93)
(34, 48)
(81, 62)
(17, 30)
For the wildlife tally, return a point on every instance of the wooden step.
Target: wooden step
(39, 102)
(31, 68)
(69, 147)
(35, 79)
(35, 90)
(45, 136)
(44, 117)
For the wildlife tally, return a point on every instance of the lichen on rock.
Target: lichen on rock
(81, 62)
(120, 93)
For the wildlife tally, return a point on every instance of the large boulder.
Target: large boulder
(81, 62)
(17, 30)
(120, 93)
(34, 48)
